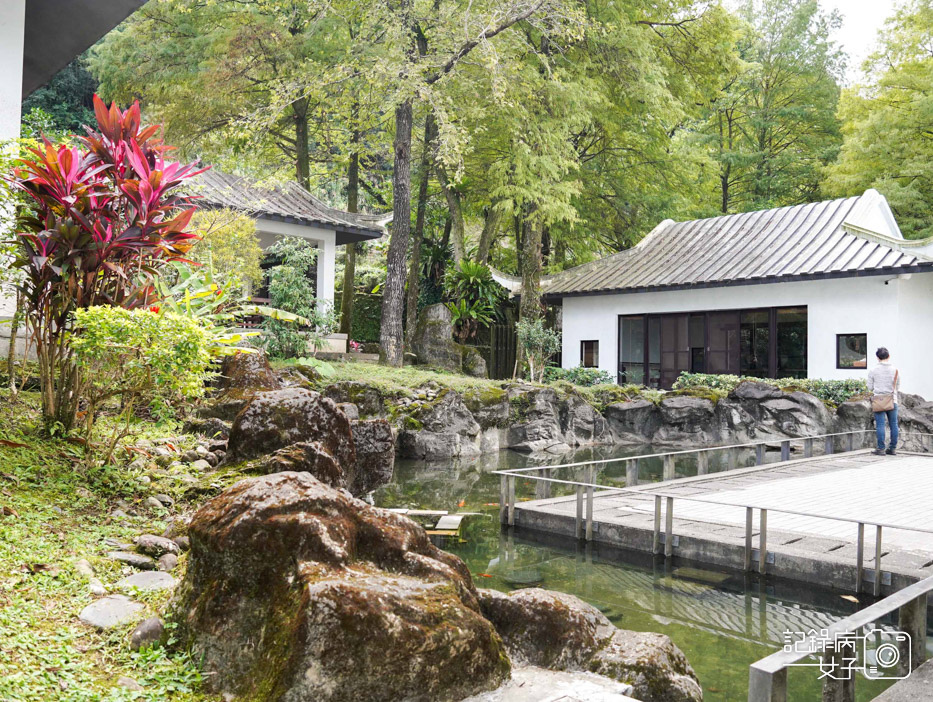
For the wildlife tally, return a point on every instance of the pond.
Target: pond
(722, 620)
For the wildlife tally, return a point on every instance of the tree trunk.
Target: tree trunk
(302, 169)
(454, 204)
(490, 229)
(414, 269)
(349, 268)
(390, 334)
(530, 307)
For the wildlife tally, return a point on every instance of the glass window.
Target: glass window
(632, 350)
(654, 352)
(697, 337)
(589, 354)
(723, 343)
(851, 350)
(792, 342)
(755, 343)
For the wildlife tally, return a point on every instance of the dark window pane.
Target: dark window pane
(723, 343)
(792, 342)
(632, 350)
(589, 354)
(697, 337)
(654, 352)
(851, 350)
(755, 338)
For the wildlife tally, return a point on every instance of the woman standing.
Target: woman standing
(883, 383)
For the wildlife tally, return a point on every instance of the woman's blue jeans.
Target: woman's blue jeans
(879, 427)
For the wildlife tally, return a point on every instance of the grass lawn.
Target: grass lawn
(52, 514)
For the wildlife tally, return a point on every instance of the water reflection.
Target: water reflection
(721, 620)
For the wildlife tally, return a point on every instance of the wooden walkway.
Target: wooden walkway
(853, 486)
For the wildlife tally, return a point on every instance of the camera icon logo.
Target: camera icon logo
(886, 660)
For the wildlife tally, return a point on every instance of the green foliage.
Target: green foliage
(538, 343)
(473, 297)
(66, 101)
(832, 391)
(291, 289)
(888, 140)
(585, 377)
(230, 246)
(137, 356)
(367, 309)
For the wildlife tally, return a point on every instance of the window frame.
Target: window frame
(583, 343)
(852, 368)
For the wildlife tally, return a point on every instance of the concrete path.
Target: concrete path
(857, 486)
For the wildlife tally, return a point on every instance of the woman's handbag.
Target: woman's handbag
(884, 403)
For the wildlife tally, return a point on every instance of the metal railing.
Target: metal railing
(664, 541)
(767, 678)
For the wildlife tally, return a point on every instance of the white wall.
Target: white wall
(12, 24)
(898, 315)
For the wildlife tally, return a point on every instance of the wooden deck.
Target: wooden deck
(858, 486)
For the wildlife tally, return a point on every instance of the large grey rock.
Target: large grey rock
(489, 406)
(442, 429)
(753, 390)
(148, 580)
(433, 344)
(633, 422)
(559, 631)
(248, 371)
(581, 424)
(374, 441)
(533, 684)
(296, 591)
(110, 612)
(277, 418)
(686, 419)
(305, 457)
(369, 401)
(535, 423)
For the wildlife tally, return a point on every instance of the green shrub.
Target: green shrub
(584, 377)
(832, 391)
(136, 356)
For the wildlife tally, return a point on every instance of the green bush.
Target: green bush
(136, 357)
(833, 391)
(585, 377)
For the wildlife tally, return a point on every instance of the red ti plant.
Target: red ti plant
(104, 216)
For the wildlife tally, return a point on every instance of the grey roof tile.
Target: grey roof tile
(287, 202)
(769, 245)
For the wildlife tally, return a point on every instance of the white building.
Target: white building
(804, 291)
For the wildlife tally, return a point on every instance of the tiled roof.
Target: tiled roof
(804, 241)
(287, 202)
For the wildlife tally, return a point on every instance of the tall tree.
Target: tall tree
(888, 122)
(773, 124)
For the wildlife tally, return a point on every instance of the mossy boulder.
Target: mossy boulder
(433, 345)
(561, 632)
(374, 443)
(305, 457)
(275, 419)
(248, 371)
(296, 591)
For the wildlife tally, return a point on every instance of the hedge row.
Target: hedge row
(835, 391)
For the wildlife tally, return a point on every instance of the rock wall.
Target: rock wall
(443, 423)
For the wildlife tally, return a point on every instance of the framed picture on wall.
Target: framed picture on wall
(852, 351)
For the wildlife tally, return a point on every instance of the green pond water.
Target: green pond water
(723, 621)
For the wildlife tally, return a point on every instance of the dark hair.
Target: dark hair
(882, 353)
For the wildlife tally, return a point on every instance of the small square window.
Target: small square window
(589, 354)
(852, 351)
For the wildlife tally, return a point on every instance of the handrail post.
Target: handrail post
(547, 483)
(668, 467)
(578, 531)
(503, 499)
(631, 472)
(702, 463)
(762, 540)
(656, 546)
(837, 690)
(828, 446)
(669, 528)
(859, 558)
(759, 454)
(785, 450)
(912, 620)
(511, 500)
(749, 521)
(877, 589)
(850, 443)
(589, 505)
(767, 687)
(731, 459)
(808, 448)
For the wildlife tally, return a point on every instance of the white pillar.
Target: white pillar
(326, 267)
(12, 27)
